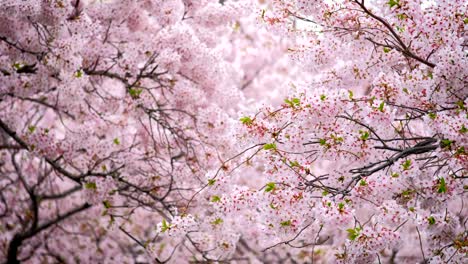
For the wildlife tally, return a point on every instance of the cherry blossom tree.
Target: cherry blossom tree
(367, 163)
(278, 131)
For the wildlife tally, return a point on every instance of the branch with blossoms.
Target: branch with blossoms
(31, 220)
(369, 30)
(120, 140)
(116, 101)
(349, 136)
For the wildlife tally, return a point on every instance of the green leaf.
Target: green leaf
(90, 185)
(294, 164)
(79, 73)
(350, 94)
(18, 66)
(364, 135)
(442, 188)
(323, 97)
(215, 198)
(405, 90)
(270, 187)
(293, 102)
(217, 221)
(402, 16)
(341, 206)
(286, 223)
(165, 226)
(324, 193)
(407, 194)
(337, 139)
(353, 233)
(106, 204)
(465, 21)
(246, 120)
(432, 115)
(381, 107)
(322, 142)
(31, 129)
(111, 221)
(211, 182)
(116, 141)
(446, 143)
(393, 3)
(272, 206)
(460, 151)
(431, 220)
(463, 129)
(363, 183)
(269, 146)
(135, 92)
(406, 165)
(461, 105)
(386, 49)
(430, 75)
(395, 175)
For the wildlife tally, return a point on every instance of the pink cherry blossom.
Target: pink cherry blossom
(233, 131)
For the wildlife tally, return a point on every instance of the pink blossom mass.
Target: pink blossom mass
(233, 131)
